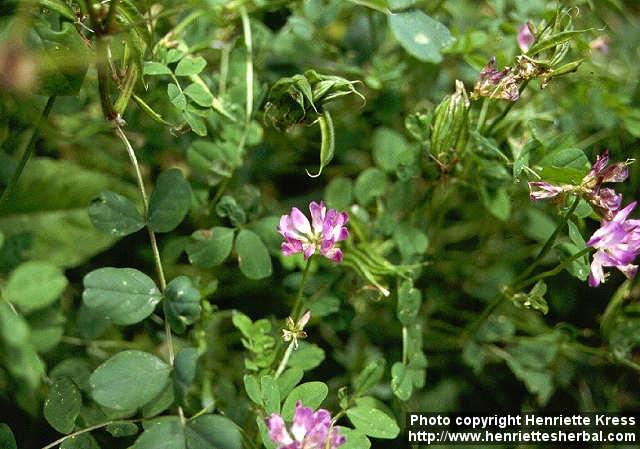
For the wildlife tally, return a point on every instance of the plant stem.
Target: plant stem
(26, 154)
(549, 243)
(297, 305)
(79, 432)
(154, 244)
(557, 269)
(285, 359)
(519, 283)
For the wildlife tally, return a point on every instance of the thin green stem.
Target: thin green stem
(248, 43)
(79, 432)
(549, 243)
(285, 359)
(26, 154)
(297, 305)
(557, 269)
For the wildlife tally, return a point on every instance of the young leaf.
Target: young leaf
(373, 422)
(186, 363)
(155, 68)
(253, 256)
(368, 377)
(62, 405)
(182, 303)
(200, 94)
(212, 431)
(310, 393)
(210, 247)
(170, 201)
(124, 295)
(116, 383)
(401, 381)
(115, 214)
(354, 439)
(409, 301)
(176, 97)
(34, 285)
(122, 429)
(420, 35)
(189, 66)
(327, 146)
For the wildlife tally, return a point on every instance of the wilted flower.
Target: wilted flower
(309, 430)
(605, 200)
(494, 83)
(294, 330)
(525, 37)
(617, 243)
(327, 227)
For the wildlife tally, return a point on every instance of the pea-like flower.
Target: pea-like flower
(604, 199)
(617, 243)
(309, 430)
(327, 227)
(525, 37)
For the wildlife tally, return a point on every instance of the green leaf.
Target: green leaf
(189, 66)
(122, 429)
(210, 247)
(328, 143)
(311, 394)
(62, 405)
(252, 388)
(160, 403)
(288, 380)
(534, 299)
(566, 158)
(176, 97)
(368, 377)
(390, 149)
(170, 201)
(155, 68)
(370, 184)
(410, 240)
(497, 202)
(182, 303)
(76, 369)
(61, 8)
(115, 214)
(420, 35)
(556, 39)
(306, 357)
(200, 94)
(228, 207)
(63, 60)
(253, 256)
(82, 441)
(409, 302)
(195, 122)
(7, 440)
(373, 422)
(401, 381)
(34, 285)
(124, 295)
(162, 433)
(378, 5)
(50, 203)
(270, 394)
(354, 439)
(117, 382)
(339, 193)
(186, 363)
(213, 432)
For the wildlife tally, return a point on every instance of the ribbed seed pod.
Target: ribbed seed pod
(450, 126)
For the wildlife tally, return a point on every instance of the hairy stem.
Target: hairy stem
(285, 359)
(26, 154)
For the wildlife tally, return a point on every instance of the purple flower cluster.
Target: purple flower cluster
(327, 227)
(617, 244)
(617, 241)
(308, 430)
(604, 199)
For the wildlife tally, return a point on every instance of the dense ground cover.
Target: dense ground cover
(212, 210)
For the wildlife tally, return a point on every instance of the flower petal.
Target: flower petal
(318, 212)
(277, 431)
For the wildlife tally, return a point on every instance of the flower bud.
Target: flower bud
(450, 126)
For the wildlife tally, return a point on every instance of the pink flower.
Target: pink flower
(618, 244)
(327, 227)
(605, 200)
(525, 37)
(309, 430)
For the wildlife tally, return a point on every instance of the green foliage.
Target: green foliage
(455, 291)
(116, 383)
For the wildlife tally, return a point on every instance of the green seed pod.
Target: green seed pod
(450, 126)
